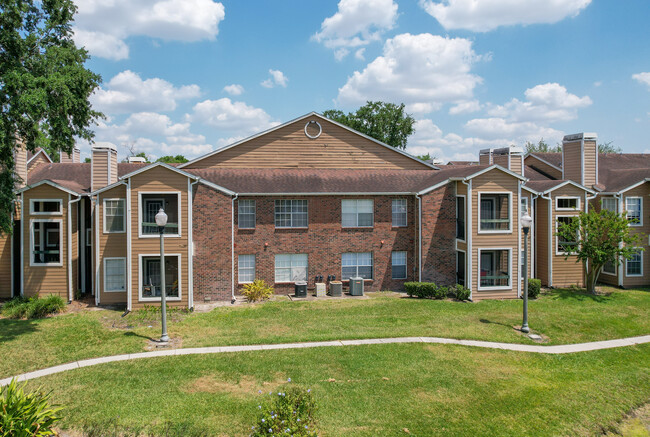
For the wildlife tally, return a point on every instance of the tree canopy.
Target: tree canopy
(169, 159)
(44, 86)
(542, 147)
(386, 122)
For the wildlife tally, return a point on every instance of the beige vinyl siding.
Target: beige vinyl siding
(541, 240)
(533, 161)
(45, 280)
(289, 147)
(572, 161)
(38, 159)
(159, 179)
(591, 152)
(515, 163)
(495, 181)
(113, 164)
(642, 191)
(99, 169)
(566, 272)
(20, 157)
(111, 245)
(5, 266)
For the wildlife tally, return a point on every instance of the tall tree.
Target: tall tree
(44, 86)
(608, 147)
(596, 238)
(542, 147)
(386, 122)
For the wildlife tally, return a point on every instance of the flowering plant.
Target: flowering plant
(287, 412)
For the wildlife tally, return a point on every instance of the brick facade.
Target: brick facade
(439, 236)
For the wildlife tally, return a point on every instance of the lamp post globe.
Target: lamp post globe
(161, 218)
(526, 221)
(161, 221)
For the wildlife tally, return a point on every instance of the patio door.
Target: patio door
(151, 208)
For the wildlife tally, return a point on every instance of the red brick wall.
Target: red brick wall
(211, 214)
(439, 236)
(325, 240)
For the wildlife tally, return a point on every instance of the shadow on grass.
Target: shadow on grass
(134, 334)
(490, 322)
(11, 329)
(578, 295)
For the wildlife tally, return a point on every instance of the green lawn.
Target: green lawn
(363, 391)
(562, 316)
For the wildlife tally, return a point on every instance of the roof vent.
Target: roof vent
(138, 159)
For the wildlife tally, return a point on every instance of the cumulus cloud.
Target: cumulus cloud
(277, 78)
(423, 71)
(486, 15)
(510, 132)
(236, 117)
(127, 92)
(355, 24)
(234, 89)
(465, 107)
(643, 78)
(103, 26)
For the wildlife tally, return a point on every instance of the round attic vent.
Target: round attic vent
(313, 129)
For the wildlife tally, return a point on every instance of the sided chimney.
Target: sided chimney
(75, 156)
(485, 157)
(511, 158)
(103, 163)
(20, 163)
(580, 158)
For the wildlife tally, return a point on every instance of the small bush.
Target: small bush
(439, 292)
(289, 413)
(26, 414)
(534, 287)
(426, 290)
(411, 288)
(257, 290)
(32, 308)
(460, 292)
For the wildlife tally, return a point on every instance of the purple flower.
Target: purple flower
(298, 419)
(270, 430)
(308, 390)
(289, 380)
(263, 420)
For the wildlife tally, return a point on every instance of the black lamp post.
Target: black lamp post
(161, 221)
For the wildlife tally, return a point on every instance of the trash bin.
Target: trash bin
(301, 289)
(356, 286)
(336, 289)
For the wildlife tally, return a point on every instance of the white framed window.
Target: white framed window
(357, 213)
(634, 264)
(634, 208)
(399, 213)
(609, 268)
(398, 265)
(45, 242)
(89, 237)
(495, 212)
(290, 267)
(524, 204)
(46, 207)
(495, 272)
(610, 204)
(149, 203)
(291, 213)
(356, 265)
(461, 260)
(567, 203)
(246, 268)
(114, 216)
(114, 275)
(246, 213)
(460, 217)
(150, 283)
(562, 243)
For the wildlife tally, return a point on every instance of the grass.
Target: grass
(562, 316)
(32, 308)
(363, 391)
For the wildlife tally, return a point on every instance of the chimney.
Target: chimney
(20, 163)
(103, 164)
(485, 157)
(580, 158)
(75, 156)
(511, 158)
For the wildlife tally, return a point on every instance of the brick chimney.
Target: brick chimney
(75, 156)
(20, 162)
(580, 158)
(103, 163)
(511, 158)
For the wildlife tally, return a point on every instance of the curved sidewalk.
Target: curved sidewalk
(560, 349)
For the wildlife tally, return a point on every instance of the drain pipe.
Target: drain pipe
(468, 238)
(419, 237)
(70, 202)
(550, 238)
(232, 247)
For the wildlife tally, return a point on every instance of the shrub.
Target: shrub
(439, 292)
(534, 287)
(426, 290)
(257, 290)
(287, 413)
(460, 292)
(411, 288)
(26, 414)
(32, 308)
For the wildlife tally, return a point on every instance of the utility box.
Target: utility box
(301, 289)
(320, 289)
(336, 289)
(356, 286)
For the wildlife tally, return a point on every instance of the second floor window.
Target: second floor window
(246, 218)
(150, 204)
(114, 215)
(399, 212)
(291, 213)
(494, 212)
(460, 218)
(634, 208)
(609, 204)
(357, 213)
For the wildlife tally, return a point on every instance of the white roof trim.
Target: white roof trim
(634, 186)
(108, 187)
(532, 154)
(434, 187)
(38, 153)
(216, 187)
(530, 190)
(565, 183)
(48, 182)
(358, 193)
(158, 164)
(493, 167)
(313, 113)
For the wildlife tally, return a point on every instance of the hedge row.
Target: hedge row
(429, 290)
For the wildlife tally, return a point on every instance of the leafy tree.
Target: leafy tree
(426, 157)
(608, 147)
(541, 147)
(386, 122)
(598, 237)
(44, 86)
(172, 159)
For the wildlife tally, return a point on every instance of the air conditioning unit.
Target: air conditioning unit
(356, 286)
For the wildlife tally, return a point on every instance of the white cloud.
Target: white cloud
(127, 92)
(423, 71)
(486, 15)
(277, 78)
(504, 131)
(231, 116)
(465, 107)
(102, 26)
(234, 89)
(643, 78)
(359, 54)
(356, 23)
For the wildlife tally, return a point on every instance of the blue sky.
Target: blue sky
(190, 76)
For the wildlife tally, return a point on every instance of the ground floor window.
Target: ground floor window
(356, 265)
(609, 268)
(634, 265)
(114, 274)
(151, 280)
(291, 267)
(46, 242)
(460, 268)
(246, 268)
(494, 268)
(398, 265)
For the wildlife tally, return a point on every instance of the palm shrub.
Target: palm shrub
(33, 307)
(257, 290)
(287, 413)
(26, 414)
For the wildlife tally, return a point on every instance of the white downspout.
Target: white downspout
(190, 250)
(621, 265)
(232, 247)
(468, 236)
(419, 237)
(96, 287)
(533, 254)
(22, 245)
(129, 250)
(70, 202)
(550, 239)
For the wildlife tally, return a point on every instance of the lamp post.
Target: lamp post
(526, 221)
(161, 221)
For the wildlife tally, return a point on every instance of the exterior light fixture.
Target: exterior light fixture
(526, 221)
(161, 221)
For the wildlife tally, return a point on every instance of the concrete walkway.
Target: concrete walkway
(560, 349)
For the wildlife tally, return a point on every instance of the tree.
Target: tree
(172, 159)
(386, 122)
(44, 86)
(596, 238)
(608, 147)
(541, 147)
(425, 158)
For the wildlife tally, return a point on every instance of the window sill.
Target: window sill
(157, 299)
(504, 288)
(158, 236)
(114, 291)
(116, 232)
(402, 226)
(290, 228)
(46, 264)
(507, 231)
